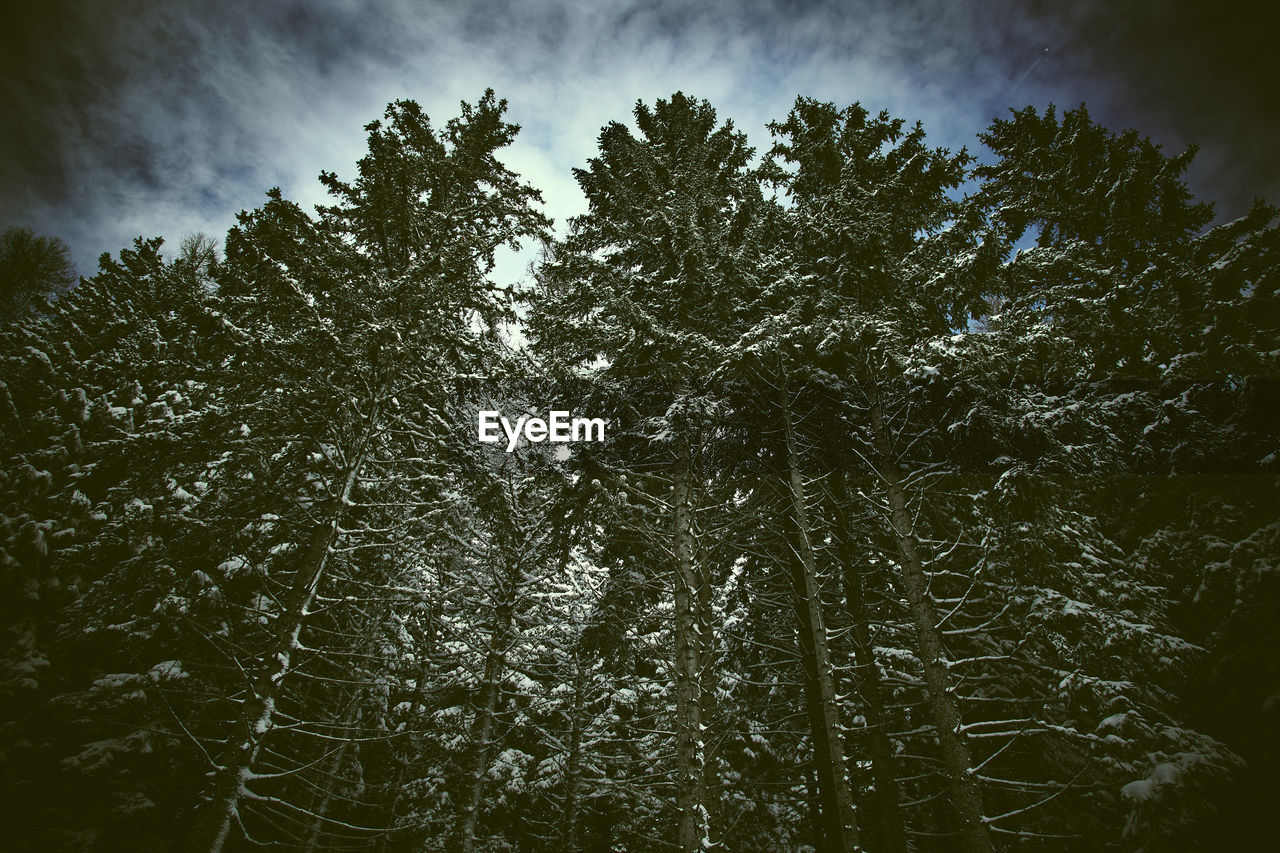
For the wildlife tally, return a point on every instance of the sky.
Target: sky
(126, 118)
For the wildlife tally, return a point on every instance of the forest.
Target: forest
(938, 508)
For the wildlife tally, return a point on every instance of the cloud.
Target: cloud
(150, 117)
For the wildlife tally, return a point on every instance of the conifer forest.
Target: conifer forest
(938, 507)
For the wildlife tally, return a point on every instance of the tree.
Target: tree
(105, 396)
(648, 281)
(924, 520)
(865, 192)
(1154, 314)
(344, 326)
(33, 269)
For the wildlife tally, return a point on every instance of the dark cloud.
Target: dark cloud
(1181, 72)
(153, 117)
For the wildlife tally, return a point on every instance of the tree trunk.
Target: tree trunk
(572, 766)
(482, 727)
(883, 821)
(840, 822)
(690, 778)
(966, 796)
(347, 722)
(321, 809)
(402, 760)
(825, 799)
(710, 730)
(213, 818)
(889, 832)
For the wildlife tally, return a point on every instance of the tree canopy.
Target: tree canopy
(937, 507)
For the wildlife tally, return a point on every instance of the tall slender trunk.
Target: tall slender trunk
(402, 760)
(321, 809)
(711, 785)
(572, 764)
(825, 800)
(214, 816)
(346, 722)
(483, 725)
(689, 627)
(966, 796)
(839, 819)
(946, 828)
(883, 821)
(889, 832)
(213, 819)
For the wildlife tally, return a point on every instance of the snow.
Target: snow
(168, 670)
(1115, 721)
(1144, 789)
(230, 568)
(117, 680)
(181, 494)
(263, 724)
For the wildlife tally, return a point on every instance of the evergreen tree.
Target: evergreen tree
(643, 293)
(1162, 330)
(105, 393)
(924, 522)
(865, 192)
(345, 324)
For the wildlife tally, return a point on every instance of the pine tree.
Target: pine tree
(345, 323)
(648, 281)
(96, 441)
(923, 522)
(864, 193)
(1099, 312)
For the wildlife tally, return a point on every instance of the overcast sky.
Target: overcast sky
(164, 118)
